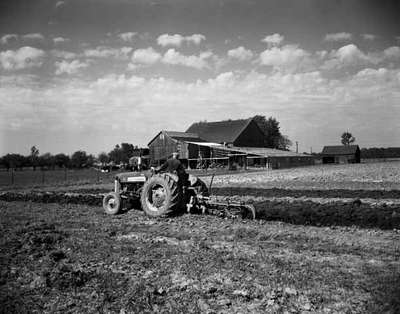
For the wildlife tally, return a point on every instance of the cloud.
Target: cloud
(348, 56)
(22, 58)
(146, 56)
(302, 102)
(195, 38)
(176, 58)
(392, 52)
(177, 39)
(58, 40)
(128, 36)
(69, 67)
(33, 36)
(60, 4)
(108, 52)
(274, 39)
(8, 38)
(62, 54)
(368, 36)
(343, 36)
(240, 53)
(288, 57)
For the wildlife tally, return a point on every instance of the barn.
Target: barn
(165, 143)
(341, 154)
(240, 133)
(232, 144)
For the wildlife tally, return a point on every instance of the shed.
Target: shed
(242, 133)
(341, 154)
(165, 143)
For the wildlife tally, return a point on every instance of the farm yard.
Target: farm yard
(326, 241)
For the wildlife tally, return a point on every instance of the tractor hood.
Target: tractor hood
(133, 176)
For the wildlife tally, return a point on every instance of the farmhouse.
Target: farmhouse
(341, 154)
(232, 144)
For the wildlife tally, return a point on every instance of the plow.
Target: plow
(166, 194)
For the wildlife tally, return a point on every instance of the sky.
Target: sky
(88, 74)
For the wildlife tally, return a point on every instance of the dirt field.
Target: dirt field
(341, 253)
(367, 176)
(75, 259)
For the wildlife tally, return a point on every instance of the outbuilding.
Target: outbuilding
(240, 133)
(341, 154)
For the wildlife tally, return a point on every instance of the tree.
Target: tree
(127, 151)
(14, 161)
(79, 159)
(62, 160)
(103, 158)
(347, 138)
(116, 155)
(284, 143)
(34, 157)
(47, 161)
(273, 136)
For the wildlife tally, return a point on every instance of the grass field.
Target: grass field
(75, 259)
(30, 178)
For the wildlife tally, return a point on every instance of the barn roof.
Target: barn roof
(221, 131)
(179, 136)
(340, 150)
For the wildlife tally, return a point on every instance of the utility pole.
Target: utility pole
(311, 150)
(297, 147)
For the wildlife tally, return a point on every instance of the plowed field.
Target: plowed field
(326, 241)
(75, 259)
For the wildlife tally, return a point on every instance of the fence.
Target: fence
(46, 177)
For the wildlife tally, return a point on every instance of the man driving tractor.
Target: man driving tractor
(173, 165)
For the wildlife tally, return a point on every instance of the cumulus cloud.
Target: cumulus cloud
(58, 40)
(195, 38)
(8, 38)
(128, 36)
(347, 56)
(392, 52)
(33, 36)
(146, 56)
(343, 36)
(177, 39)
(176, 58)
(368, 36)
(60, 4)
(62, 54)
(274, 39)
(107, 52)
(327, 104)
(240, 53)
(288, 57)
(22, 58)
(69, 67)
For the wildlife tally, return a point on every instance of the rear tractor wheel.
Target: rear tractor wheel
(161, 196)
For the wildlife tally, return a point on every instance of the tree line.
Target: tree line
(389, 152)
(120, 154)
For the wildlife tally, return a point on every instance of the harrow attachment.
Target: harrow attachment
(211, 205)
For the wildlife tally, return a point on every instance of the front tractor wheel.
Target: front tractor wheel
(112, 203)
(160, 196)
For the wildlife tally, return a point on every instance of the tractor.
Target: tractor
(163, 195)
